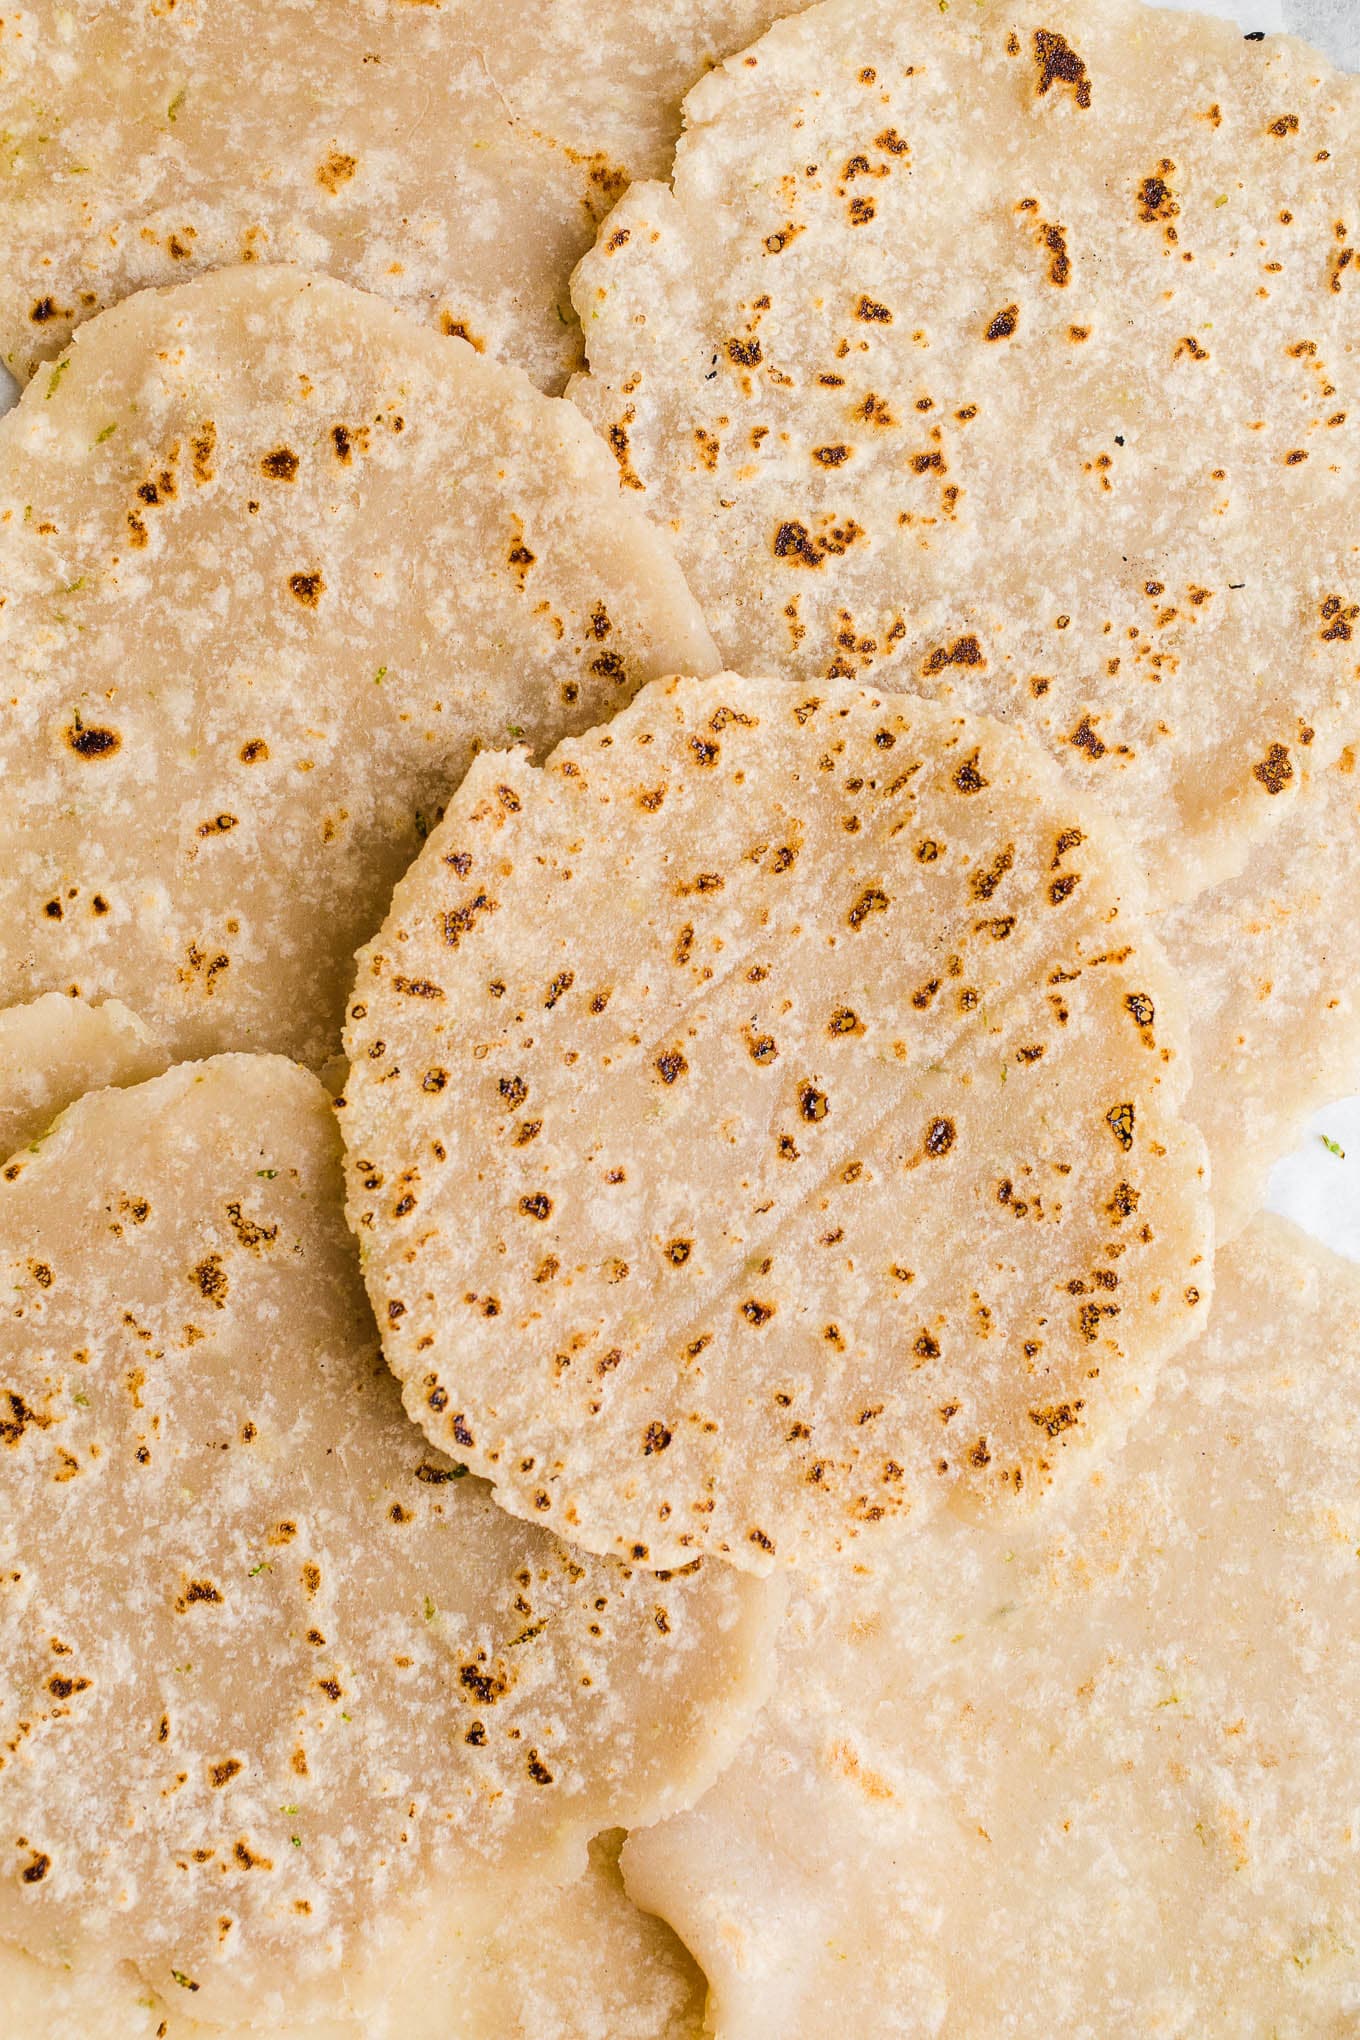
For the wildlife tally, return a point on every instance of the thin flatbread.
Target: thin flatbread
(574, 1962)
(763, 1120)
(1096, 1777)
(1006, 352)
(1269, 963)
(277, 562)
(447, 154)
(205, 1472)
(56, 1049)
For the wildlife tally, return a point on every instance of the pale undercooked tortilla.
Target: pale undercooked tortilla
(1098, 1776)
(55, 1049)
(1006, 352)
(576, 1962)
(1268, 963)
(454, 155)
(275, 1671)
(762, 1120)
(276, 562)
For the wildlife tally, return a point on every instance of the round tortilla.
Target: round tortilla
(443, 153)
(763, 1120)
(55, 1050)
(1095, 1775)
(277, 1672)
(277, 562)
(1006, 354)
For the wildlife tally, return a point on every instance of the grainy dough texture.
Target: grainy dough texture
(276, 562)
(763, 1120)
(454, 155)
(277, 1672)
(1006, 353)
(1268, 963)
(55, 1050)
(574, 1962)
(1096, 1775)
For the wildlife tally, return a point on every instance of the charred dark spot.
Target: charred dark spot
(1275, 770)
(656, 1438)
(793, 541)
(1062, 888)
(537, 1205)
(514, 1090)
(872, 312)
(1141, 1007)
(965, 651)
(281, 465)
(940, 1137)
(307, 588)
(1119, 1119)
(1084, 738)
(671, 1065)
(813, 1104)
(757, 1313)
(871, 901)
(1004, 323)
(746, 353)
(1059, 64)
(968, 779)
(89, 742)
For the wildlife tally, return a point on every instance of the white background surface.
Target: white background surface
(1318, 1189)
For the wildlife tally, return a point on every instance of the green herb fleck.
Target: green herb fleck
(290, 1809)
(346, 1717)
(268, 1174)
(263, 1566)
(1223, 200)
(422, 826)
(71, 586)
(514, 730)
(172, 110)
(1333, 1147)
(429, 1609)
(380, 676)
(296, 1840)
(83, 1400)
(184, 1982)
(52, 381)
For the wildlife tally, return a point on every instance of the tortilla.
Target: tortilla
(1006, 353)
(448, 156)
(53, 1051)
(1097, 1775)
(277, 562)
(579, 1963)
(763, 1121)
(1269, 963)
(206, 1473)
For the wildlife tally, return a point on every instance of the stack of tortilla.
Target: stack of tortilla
(679, 702)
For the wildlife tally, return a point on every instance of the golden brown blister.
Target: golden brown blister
(278, 1675)
(1006, 354)
(277, 562)
(763, 1120)
(1095, 1773)
(456, 158)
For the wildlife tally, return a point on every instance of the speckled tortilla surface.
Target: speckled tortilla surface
(454, 155)
(763, 1121)
(276, 561)
(1269, 963)
(1095, 1775)
(278, 1672)
(55, 1049)
(573, 1962)
(1006, 353)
